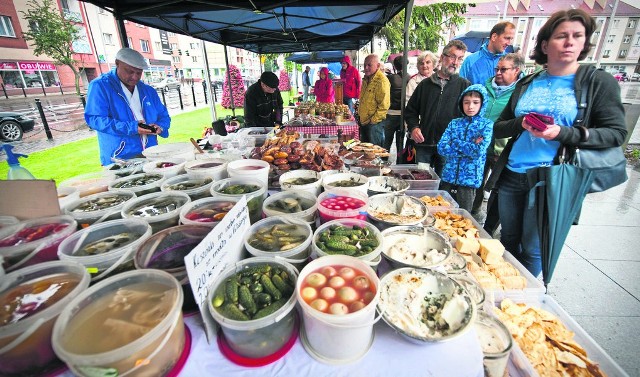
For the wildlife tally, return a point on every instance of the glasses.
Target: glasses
(503, 70)
(459, 59)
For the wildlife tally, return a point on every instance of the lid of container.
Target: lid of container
(235, 358)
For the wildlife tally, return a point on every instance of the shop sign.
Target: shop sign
(33, 66)
(164, 41)
(8, 65)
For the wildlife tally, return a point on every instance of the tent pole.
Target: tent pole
(226, 61)
(121, 29)
(209, 86)
(405, 60)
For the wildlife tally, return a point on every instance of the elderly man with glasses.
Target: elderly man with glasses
(434, 104)
(499, 87)
(479, 66)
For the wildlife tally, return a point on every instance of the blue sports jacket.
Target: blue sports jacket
(108, 113)
(479, 66)
(464, 159)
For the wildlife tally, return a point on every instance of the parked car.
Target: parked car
(635, 77)
(13, 125)
(621, 76)
(166, 84)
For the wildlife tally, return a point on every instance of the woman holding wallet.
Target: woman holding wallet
(562, 42)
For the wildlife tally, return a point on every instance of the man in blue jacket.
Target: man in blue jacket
(479, 66)
(126, 113)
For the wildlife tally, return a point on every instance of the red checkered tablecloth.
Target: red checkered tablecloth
(351, 128)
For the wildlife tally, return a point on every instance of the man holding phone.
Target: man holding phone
(126, 113)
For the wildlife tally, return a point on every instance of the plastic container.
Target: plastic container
(249, 168)
(118, 252)
(331, 206)
(8, 220)
(172, 150)
(166, 250)
(126, 167)
(314, 188)
(372, 258)
(409, 172)
(99, 207)
(360, 181)
(460, 212)
(206, 211)
(259, 338)
(308, 205)
(156, 298)
(90, 183)
(433, 194)
(34, 241)
(66, 195)
(496, 342)
(196, 188)
(337, 339)
(25, 346)
(160, 209)
(169, 167)
(255, 199)
(139, 184)
(214, 168)
(296, 255)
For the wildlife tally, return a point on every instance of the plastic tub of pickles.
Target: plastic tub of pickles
(424, 305)
(160, 209)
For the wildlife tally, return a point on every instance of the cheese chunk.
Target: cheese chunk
(491, 251)
(467, 245)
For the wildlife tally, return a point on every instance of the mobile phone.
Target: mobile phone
(539, 121)
(148, 127)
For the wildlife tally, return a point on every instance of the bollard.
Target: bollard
(24, 92)
(84, 101)
(5, 91)
(193, 94)
(180, 98)
(164, 100)
(60, 86)
(44, 120)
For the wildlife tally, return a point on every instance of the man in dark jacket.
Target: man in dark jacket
(263, 102)
(435, 103)
(393, 125)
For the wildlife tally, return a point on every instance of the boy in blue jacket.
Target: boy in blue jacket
(464, 146)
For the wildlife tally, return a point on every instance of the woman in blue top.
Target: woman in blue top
(562, 41)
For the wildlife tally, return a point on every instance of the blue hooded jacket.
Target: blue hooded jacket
(108, 113)
(464, 159)
(480, 65)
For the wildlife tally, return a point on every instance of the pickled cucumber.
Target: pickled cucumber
(271, 308)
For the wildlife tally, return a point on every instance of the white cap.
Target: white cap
(132, 57)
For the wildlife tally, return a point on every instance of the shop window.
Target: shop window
(6, 28)
(627, 39)
(144, 45)
(129, 42)
(622, 53)
(81, 45)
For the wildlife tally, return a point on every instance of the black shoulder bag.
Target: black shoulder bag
(607, 164)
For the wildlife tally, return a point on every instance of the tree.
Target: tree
(53, 35)
(425, 27)
(237, 89)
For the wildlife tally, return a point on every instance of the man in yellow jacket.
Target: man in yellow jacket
(375, 99)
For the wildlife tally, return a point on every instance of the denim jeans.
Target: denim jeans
(519, 233)
(393, 128)
(462, 194)
(349, 102)
(375, 133)
(429, 154)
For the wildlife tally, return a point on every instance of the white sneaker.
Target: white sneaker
(486, 195)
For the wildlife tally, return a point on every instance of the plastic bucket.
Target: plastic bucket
(206, 211)
(215, 168)
(95, 335)
(340, 204)
(329, 182)
(296, 255)
(160, 209)
(196, 188)
(337, 339)
(166, 250)
(139, 184)
(66, 195)
(128, 167)
(34, 241)
(90, 183)
(314, 188)
(8, 220)
(172, 150)
(255, 199)
(279, 204)
(106, 249)
(169, 167)
(256, 169)
(257, 338)
(25, 346)
(372, 258)
(99, 207)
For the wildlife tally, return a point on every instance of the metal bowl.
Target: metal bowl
(385, 185)
(403, 306)
(419, 239)
(387, 210)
